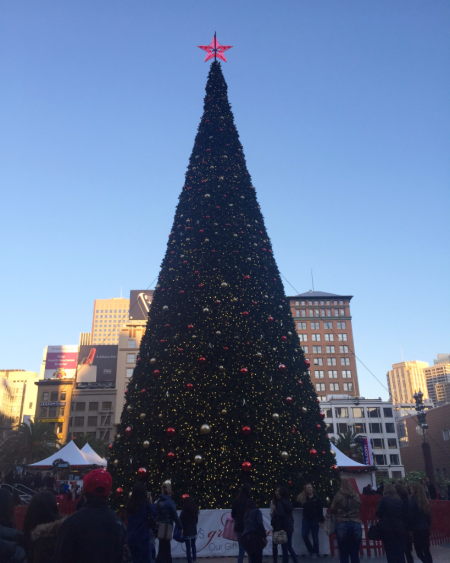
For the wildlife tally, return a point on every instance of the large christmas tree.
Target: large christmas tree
(221, 392)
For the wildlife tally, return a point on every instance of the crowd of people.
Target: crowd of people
(95, 533)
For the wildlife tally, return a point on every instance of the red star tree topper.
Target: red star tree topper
(215, 49)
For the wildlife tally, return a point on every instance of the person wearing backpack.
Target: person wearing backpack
(167, 515)
(141, 518)
(254, 536)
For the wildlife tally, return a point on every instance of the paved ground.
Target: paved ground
(440, 553)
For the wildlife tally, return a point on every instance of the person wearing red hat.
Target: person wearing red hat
(94, 533)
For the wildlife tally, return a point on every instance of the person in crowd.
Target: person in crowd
(380, 490)
(50, 482)
(347, 507)
(189, 521)
(423, 482)
(254, 536)
(37, 481)
(402, 492)
(95, 533)
(40, 527)
(432, 489)
(28, 480)
(283, 519)
(392, 520)
(367, 490)
(9, 477)
(139, 534)
(419, 521)
(237, 513)
(312, 517)
(11, 540)
(167, 514)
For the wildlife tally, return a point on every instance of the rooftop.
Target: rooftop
(319, 294)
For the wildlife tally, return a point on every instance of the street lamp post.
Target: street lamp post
(422, 423)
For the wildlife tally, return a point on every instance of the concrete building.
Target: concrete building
(53, 404)
(438, 377)
(442, 358)
(370, 418)
(438, 420)
(108, 316)
(92, 411)
(18, 395)
(405, 379)
(324, 326)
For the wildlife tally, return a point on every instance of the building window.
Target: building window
(377, 443)
(328, 324)
(328, 312)
(106, 420)
(297, 303)
(131, 358)
(301, 326)
(390, 428)
(322, 312)
(93, 406)
(387, 411)
(348, 386)
(79, 421)
(343, 349)
(342, 337)
(92, 421)
(341, 325)
(392, 443)
(332, 374)
(320, 386)
(445, 433)
(30, 405)
(43, 412)
(106, 406)
(317, 312)
(373, 412)
(375, 428)
(305, 349)
(334, 386)
(131, 343)
(331, 361)
(403, 434)
(342, 312)
(63, 396)
(329, 427)
(315, 326)
(52, 412)
(315, 337)
(380, 459)
(319, 374)
(395, 460)
(341, 412)
(318, 361)
(342, 427)
(303, 337)
(297, 312)
(303, 313)
(80, 406)
(359, 427)
(357, 412)
(311, 313)
(345, 361)
(328, 413)
(329, 337)
(346, 374)
(317, 349)
(129, 372)
(54, 396)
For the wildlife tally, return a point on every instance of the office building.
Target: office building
(324, 326)
(405, 379)
(108, 316)
(442, 358)
(53, 403)
(367, 418)
(437, 377)
(17, 396)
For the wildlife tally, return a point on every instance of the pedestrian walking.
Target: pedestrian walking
(419, 521)
(392, 517)
(347, 507)
(94, 533)
(40, 527)
(254, 536)
(189, 521)
(237, 513)
(141, 518)
(283, 519)
(404, 497)
(312, 517)
(167, 515)
(37, 481)
(11, 539)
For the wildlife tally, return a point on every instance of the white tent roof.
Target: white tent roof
(91, 454)
(343, 461)
(69, 453)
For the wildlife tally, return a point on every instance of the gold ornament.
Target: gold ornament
(198, 459)
(146, 444)
(284, 455)
(165, 308)
(180, 373)
(118, 437)
(116, 463)
(304, 410)
(129, 408)
(160, 415)
(289, 333)
(223, 411)
(223, 285)
(218, 333)
(221, 368)
(206, 310)
(205, 429)
(142, 416)
(206, 239)
(153, 360)
(258, 354)
(276, 416)
(235, 299)
(333, 453)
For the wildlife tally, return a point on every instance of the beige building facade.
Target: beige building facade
(53, 404)
(438, 382)
(18, 395)
(405, 379)
(107, 319)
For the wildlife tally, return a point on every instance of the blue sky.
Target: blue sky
(343, 110)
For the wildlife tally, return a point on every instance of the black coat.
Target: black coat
(417, 519)
(283, 516)
(94, 534)
(237, 513)
(189, 522)
(313, 509)
(392, 516)
(10, 546)
(43, 541)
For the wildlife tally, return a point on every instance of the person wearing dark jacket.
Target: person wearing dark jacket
(419, 522)
(347, 507)
(41, 526)
(237, 513)
(95, 533)
(189, 521)
(139, 534)
(312, 517)
(392, 517)
(283, 519)
(11, 540)
(254, 536)
(167, 514)
(403, 494)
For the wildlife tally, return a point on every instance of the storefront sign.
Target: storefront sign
(51, 420)
(53, 404)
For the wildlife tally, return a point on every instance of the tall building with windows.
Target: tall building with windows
(405, 379)
(17, 396)
(438, 382)
(109, 315)
(324, 327)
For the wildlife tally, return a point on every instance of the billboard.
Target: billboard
(97, 364)
(61, 362)
(140, 301)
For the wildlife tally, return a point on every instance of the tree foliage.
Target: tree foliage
(349, 445)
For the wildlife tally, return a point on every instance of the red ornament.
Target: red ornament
(144, 391)
(190, 327)
(319, 427)
(200, 285)
(335, 467)
(270, 319)
(317, 400)
(322, 415)
(110, 447)
(245, 313)
(300, 383)
(156, 372)
(307, 363)
(180, 349)
(162, 341)
(184, 497)
(190, 386)
(119, 491)
(281, 367)
(313, 453)
(128, 431)
(167, 326)
(202, 360)
(182, 291)
(289, 482)
(184, 261)
(246, 278)
(246, 430)
(246, 466)
(225, 348)
(196, 271)
(218, 301)
(126, 391)
(142, 472)
(170, 456)
(289, 400)
(244, 371)
(215, 49)
(284, 338)
(170, 431)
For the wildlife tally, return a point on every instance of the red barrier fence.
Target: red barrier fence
(440, 525)
(66, 507)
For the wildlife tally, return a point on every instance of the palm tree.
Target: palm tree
(348, 445)
(99, 446)
(27, 443)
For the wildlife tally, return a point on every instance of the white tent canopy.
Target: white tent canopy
(343, 461)
(72, 455)
(90, 454)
